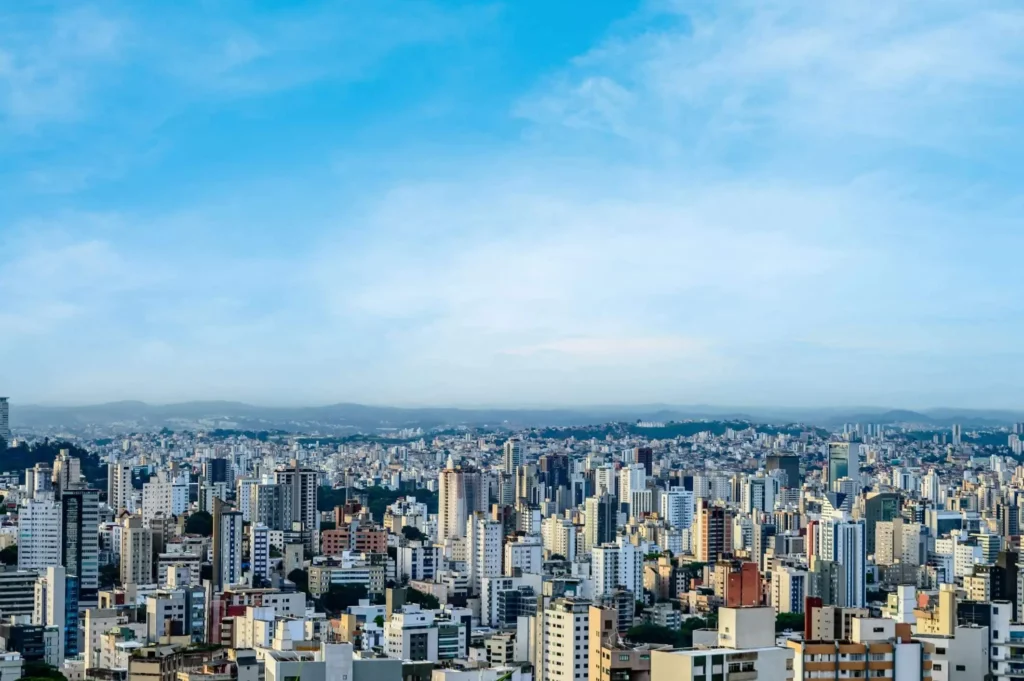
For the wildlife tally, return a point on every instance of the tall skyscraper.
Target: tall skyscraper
(67, 472)
(39, 533)
(119, 486)
(600, 527)
(136, 552)
(483, 549)
(259, 551)
(645, 457)
(790, 465)
(303, 482)
(216, 470)
(677, 508)
(958, 434)
(271, 505)
(841, 541)
(513, 455)
(50, 606)
(713, 527)
(566, 653)
(227, 546)
(460, 494)
(80, 549)
(843, 461)
(5, 420)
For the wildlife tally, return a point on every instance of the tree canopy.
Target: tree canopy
(201, 523)
(9, 556)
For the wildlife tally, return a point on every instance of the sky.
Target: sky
(734, 202)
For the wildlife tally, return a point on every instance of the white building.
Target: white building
(566, 647)
(524, 553)
(677, 508)
(39, 533)
(411, 635)
(483, 548)
(49, 604)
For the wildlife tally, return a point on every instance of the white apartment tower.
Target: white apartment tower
(39, 533)
(119, 487)
(566, 642)
(483, 549)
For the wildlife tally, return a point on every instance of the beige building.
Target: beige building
(746, 651)
(609, 659)
(136, 552)
(878, 649)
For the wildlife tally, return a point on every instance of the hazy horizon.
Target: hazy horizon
(527, 202)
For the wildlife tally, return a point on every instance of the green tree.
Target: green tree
(9, 556)
(652, 633)
(412, 533)
(340, 596)
(301, 580)
(41, 670)
(110, 576)
(379, 620)
(789, 620)
(424, 600)
(200, 523)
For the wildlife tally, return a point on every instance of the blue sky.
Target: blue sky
(530, 202)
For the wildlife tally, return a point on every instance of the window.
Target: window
(878, 630)
(940, 651)
(937, 667)
(961, 667)
(623, 658)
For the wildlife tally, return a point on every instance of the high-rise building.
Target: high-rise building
(645, 457)
(39, 533)
(227, 546)
(958, 434)
(879, 506)
(483, 549)
(513, 455)
(841, 542)
(600, 527)
(632, 478)
(80, 549)
(5, 420)
(713, 528)
(119, 486)
(461, 493)
(136, 552)
(216, 470)
(50, 600)
(843, 461)
(788, 588)
(271, 505)
(788, 464)
(67, 472)
(259, 551)
(566, 650)
(677, 508)
(303, 482)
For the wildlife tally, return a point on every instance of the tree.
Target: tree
(340, 596)
(301, 580)
(9, 556)
(424, 600)
(379, 620)
(412, 533)
(110, 576)
(200, 523)
(275, 552)
(652, 633)
(41, 670)
(789, 620)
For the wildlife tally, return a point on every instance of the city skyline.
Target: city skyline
(444, 203)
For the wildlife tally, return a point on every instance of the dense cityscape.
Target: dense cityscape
(642, 551)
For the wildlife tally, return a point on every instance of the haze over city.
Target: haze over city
(451, 203)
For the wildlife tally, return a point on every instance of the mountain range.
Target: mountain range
(353, 418)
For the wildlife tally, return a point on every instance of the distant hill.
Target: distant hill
(348, 418)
